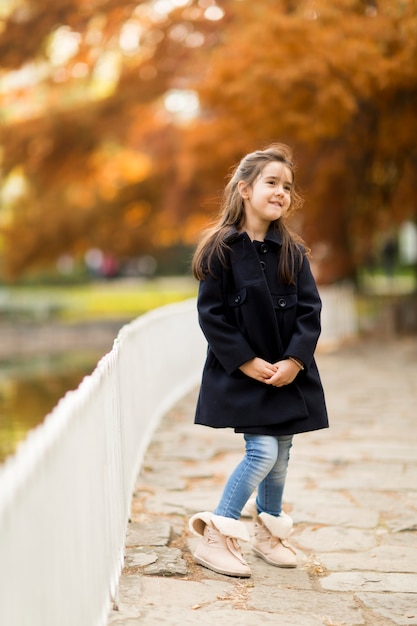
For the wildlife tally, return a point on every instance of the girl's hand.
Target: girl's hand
(259, 369)
(286, 372)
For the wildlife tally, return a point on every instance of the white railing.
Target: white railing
(65, 495)
(339, 317)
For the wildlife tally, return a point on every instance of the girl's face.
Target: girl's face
(269, 196)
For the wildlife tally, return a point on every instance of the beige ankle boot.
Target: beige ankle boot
(270, 537)
(218, 548)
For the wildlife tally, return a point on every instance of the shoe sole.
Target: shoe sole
(271, 562)
(220, 571)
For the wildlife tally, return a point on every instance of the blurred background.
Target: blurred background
(119, 123)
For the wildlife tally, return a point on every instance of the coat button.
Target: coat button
(282, 302)
(264, 248)
(237, 299)
(263, 265)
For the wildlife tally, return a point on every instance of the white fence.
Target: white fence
(339, 318)
(65, 496)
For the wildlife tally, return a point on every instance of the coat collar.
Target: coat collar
(272, 235)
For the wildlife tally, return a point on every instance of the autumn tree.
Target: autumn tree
(338, 81)
(98, 160)
(89, 150)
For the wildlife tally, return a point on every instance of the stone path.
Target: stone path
(351, 490)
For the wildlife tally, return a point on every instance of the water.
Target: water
(30, 387)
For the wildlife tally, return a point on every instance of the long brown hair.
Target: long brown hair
(232, 216)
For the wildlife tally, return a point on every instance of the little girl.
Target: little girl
(259, 310)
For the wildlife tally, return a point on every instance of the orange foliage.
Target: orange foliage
(338, 81)
(106, 165)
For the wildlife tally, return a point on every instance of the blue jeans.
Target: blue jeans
(264, 467)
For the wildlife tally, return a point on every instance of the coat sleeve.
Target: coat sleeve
(307, 326)
(225, 340)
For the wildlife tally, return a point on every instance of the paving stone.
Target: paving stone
(130, 588)
(156, 476)
(392, 502)
(209, 602)
(168, 562)
(154, 534)
(314, 498)
(139, 557)
(372, 476)
(371, 581)
(331, 538)
(273, 578)
(197, 471)
(366, 451)
(187, 504)
(402, 523)
(399, 539)
(168, 616)
(329, 608)
(379, 559)
(401, 609)
(124, 615)
(344, 516)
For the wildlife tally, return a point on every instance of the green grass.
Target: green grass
(378, 282)
(106, 300)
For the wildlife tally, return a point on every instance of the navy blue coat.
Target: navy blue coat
(242, 317)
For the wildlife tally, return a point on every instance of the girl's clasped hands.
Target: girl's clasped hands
(275, 374)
